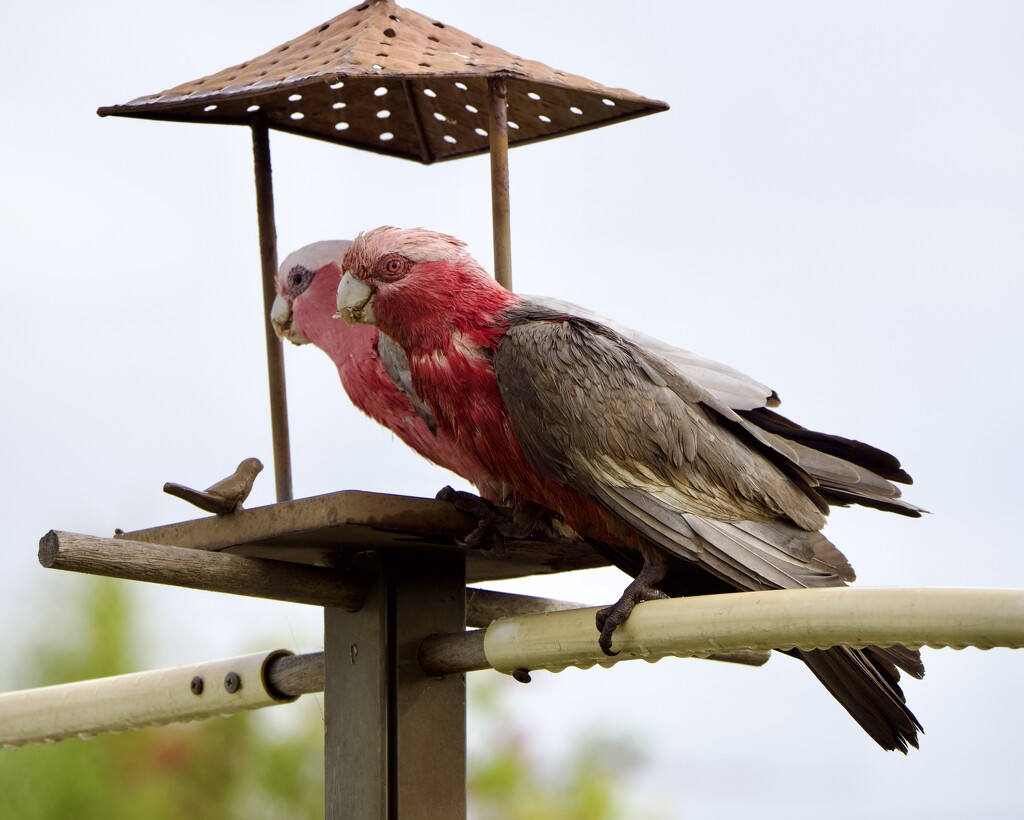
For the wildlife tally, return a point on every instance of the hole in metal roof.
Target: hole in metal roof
(440, 117)
(380, 92)
(471, 109)
(533, 95)
(575, 110)
(338, 106)
(389, 32)
(608, 102)
(210, 108)
(513, 125)
(481, 132)
(252, 108)
(439, 25)
(461, 86)
(337, 85)
(294, 98)
(383, 114)
(450, 139)
(340, 126)
(433, 39)
(393, 17)
(542, 118)
(429, 92)
(425, 65)
(387, 136)
(298, 115)
(379, 68)
(324, 27)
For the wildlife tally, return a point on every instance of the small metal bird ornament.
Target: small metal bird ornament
(224, 497)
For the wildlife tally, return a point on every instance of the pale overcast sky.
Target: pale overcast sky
(833, 204)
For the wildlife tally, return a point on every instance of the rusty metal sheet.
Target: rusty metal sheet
(386, 79)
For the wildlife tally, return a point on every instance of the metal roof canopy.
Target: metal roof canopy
(387, 79)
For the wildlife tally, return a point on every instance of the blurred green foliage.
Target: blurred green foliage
(237, 767)
(509, 778)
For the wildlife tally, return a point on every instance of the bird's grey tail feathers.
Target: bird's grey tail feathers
(865, 682)
(778, 555)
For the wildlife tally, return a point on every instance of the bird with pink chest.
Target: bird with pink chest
(673, 466)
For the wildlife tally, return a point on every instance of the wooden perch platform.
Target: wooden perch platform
(316, 530)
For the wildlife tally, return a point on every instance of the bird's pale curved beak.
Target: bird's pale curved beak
(355, 301)
(281, 320)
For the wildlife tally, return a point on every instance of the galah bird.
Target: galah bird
(373, 369)
(690, 490)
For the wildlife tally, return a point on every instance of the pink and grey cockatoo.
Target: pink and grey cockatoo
(689, 489)
(373, 369)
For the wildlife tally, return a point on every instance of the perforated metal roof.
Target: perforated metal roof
(387, 79)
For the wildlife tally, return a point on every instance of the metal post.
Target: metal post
(500, 209)
(268, 264)
(395, 743)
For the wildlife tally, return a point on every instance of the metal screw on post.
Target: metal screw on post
(232, 682)
(197, 685)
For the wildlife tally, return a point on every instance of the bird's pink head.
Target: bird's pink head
(419, 287)
(307, 284)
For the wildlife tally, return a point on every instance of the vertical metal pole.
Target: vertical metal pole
(500, 209)
(395, 744)
(268, 264)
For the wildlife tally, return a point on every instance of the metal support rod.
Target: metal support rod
(497, 88)
(199, 569)
(268, 265)
(395, 744)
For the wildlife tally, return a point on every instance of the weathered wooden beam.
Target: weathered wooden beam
(484, 605)
(197, 569)
(290, 676)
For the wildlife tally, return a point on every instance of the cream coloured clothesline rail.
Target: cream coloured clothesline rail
(681, 627)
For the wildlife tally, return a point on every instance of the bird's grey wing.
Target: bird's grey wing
(849, 472)
(396, 365)
(592, 411)
(738, 390)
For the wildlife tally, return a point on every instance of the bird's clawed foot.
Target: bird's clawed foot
(639, 590)
(495, 524)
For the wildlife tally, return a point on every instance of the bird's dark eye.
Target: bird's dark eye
(299, 279)
(392, 267)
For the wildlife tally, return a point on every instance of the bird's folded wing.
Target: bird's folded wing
(849, 472)
(738, 390)
(589, 406)
(396, 365)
